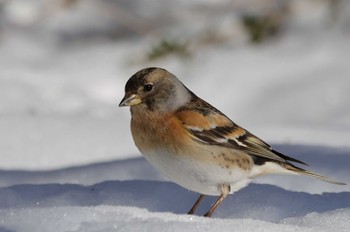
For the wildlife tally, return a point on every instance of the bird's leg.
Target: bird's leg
(195, 206)
(225, 190)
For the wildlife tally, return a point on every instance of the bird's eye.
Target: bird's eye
(148, 87)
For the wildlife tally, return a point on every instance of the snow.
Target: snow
(149, 205)
(67, 159)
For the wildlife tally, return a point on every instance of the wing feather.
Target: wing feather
(210, 126)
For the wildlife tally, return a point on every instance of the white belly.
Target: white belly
(195, 175)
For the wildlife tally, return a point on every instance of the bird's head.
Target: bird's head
(155, 88)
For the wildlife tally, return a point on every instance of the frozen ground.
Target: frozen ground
(68, 163)
(133, 199)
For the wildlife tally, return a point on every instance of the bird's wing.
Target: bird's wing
(208, 125)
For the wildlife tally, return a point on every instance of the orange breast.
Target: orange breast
(159, 131)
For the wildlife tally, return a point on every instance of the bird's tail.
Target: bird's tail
(304, 172)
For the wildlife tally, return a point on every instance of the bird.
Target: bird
(194, 144)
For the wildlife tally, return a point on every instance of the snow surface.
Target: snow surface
(67, 159)
(136, 205)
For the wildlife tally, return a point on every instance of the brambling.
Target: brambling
(193, 143)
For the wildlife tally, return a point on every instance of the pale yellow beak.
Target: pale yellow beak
(132, 100)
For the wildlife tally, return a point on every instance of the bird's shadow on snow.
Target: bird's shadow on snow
(257, 201)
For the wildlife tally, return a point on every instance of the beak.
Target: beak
(131, 100)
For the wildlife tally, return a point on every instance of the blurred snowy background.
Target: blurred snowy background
(279, 68)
